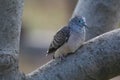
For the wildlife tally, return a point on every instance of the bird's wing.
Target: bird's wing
(59, 39)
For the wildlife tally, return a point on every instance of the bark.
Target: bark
(97, 59)
(101, 15)
(10, 25)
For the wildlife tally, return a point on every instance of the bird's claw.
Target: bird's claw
(62, 57)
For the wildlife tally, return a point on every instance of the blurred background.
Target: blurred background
(41, 19)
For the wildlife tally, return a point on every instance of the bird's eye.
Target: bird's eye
(80, 21)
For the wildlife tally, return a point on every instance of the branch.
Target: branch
(97, 59)
(101, 15)
(10, 26)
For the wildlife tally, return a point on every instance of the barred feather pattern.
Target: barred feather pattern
(59, 39)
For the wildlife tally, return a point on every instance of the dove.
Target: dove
(69, 38)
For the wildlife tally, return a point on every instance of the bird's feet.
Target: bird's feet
(61, 58)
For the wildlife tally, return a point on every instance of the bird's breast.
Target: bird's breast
(76, 39)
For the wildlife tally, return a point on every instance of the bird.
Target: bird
(69, 38)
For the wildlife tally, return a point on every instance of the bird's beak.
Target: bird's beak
(86, 26)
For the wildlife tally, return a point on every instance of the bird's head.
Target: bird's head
(79, 20)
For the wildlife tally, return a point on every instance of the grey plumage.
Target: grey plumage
(69, 38)
(59, 39)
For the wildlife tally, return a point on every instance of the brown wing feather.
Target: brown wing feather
(59, 39)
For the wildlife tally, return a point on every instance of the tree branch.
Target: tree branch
(10, 26)
(101, 15)
(97, 59)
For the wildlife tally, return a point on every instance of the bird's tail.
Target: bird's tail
(49, 52)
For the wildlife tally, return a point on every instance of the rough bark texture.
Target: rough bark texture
(101, 15)
(10, 25)
(98, 59)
